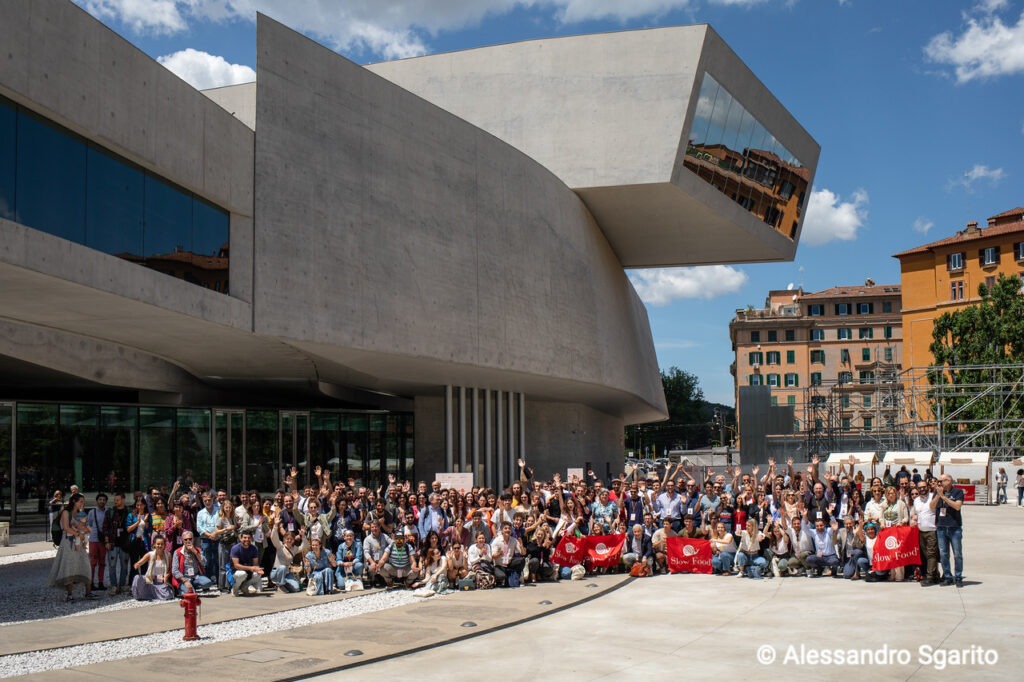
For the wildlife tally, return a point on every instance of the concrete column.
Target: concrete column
(462, 428)
(488, 471)
(449, 453)
(475, 418)
(499, 451)
(522, 427)
(513, 437)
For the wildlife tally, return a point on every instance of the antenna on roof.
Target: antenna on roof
(869, 282)
(789, 287)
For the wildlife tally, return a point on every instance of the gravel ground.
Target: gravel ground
(25, 592)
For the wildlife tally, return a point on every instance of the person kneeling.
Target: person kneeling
(187, 567)
(245, 562)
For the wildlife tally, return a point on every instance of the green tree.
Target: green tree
(990, 332)
(688, 422)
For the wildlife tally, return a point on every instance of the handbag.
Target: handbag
(311, 588)
(513, 579)
(466, 584)
(353, 585)
(484, 581)
(640, 570)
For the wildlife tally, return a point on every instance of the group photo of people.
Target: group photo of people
(323, 536)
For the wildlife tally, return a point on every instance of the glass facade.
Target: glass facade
(45, 446)
(732, 151)
(57, 182)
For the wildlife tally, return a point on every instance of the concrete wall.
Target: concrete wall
(397, 240)
(563, 435)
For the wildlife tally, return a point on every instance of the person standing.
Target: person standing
(1020, 486)
(924, 518)
(947, 504)
(1001, 481)
(96, 517)
(72, 563)
(116, 540)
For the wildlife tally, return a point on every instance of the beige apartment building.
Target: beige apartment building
(833, 356)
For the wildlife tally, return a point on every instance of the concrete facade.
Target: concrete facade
(383, 249)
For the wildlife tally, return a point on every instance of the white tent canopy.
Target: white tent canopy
(964, 458)
(861, 458)
(921, 458)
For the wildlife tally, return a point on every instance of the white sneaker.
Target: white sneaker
(775, 568)
(739, 574)
(251, 590)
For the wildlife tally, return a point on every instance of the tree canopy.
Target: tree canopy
(689, 418)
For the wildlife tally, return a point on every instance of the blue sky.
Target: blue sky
(918, 106)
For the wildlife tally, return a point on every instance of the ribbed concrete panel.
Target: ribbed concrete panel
(400, 241)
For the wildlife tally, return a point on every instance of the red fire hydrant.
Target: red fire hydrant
(190, 601)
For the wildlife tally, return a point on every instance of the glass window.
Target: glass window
(792, 380)
(818, 356)
(888, 332)
(774, 357)
(51, 180)
(845, 377)
(755, 358)
(113, 222)
(41, 469)
(8, 158)
(865, 354)
(817, 335)
(790, 357)
(866, 400)
(888, 354)
(816, 310)
(842, 308)
(193, 441)
(865, 333)
(118, 443)
(168, 223)
(775, 401)
(773, 335)
(791, 400)
(261, 448)
(865, 308)
(79, 441)
(354, 428)
(323, 428)
(844, 355)
(156, 445)
(790, 335)
(755, 337)
(886, 306)
(755, 380)
(955, 261)
(376, 438)
(773, 380)
(845, 401)
(815, 378)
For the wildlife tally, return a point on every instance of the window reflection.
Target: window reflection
(54, 181)
(730, 149)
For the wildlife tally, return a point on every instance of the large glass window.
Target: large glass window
(194, 463)
(53, 180)
(6, 470)
(40, 467)
(324, 443)
(156, 446)
(730, 149)
(119, 427)
(353, 439)
(79, 440)
(261, 446)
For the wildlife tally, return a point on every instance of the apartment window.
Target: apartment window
(774, 357)
(790, 357)
(790, 335)
(773, 380)
(755, 337)
(867, 377)
(888, 332)
(846, 377)
(990, 282)
(886, 306)
(956, 291)
(796, 426)
(867, 423)
(755, 358)
(792, 380)
(775, 401)
(818, 401)
(845, 401)
(1018, 251)
(865, 354)
(866, 400)
(846, 423)
(818, 425)
(816, 310)
(818, 356)
(989, 255)
(755, 379)
(865, 333)
(844, 355)
(955, 262)
(865, 308)
(843, 308)
(887, 353)
(845, 333)
(773, 336)
(791, 400)
(815, 378)
(817, 335)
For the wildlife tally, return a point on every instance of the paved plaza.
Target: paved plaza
(606, 626)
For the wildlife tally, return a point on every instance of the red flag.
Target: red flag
(604, 550)
(894, 547)
(570, 550)
(688, 555)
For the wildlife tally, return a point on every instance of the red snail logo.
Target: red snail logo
(570, 547)
(601, 548)
(891, 542)
(689, 550)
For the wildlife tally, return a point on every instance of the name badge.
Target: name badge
(190, 571)
(818, 515)
(942, 512)
(291, 527)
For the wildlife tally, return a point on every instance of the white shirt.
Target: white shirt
(925, 514)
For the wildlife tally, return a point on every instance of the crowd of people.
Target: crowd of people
(329, 536)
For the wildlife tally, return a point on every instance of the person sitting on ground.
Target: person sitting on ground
(320, 565)
(400, 561)
(349, 559)
(375, 547)
(435, 572)
(749, 560)
(479, 554)
(458, 563)
(660, 546)
(288, 570)
(779, 550)
(538, 552)
(187, 566)
(850, 547)
(507, 554)
(155, 583)
(638, 548)
(825, 554)
(245, 561)
(723, 549)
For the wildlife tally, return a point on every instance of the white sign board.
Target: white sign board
(578, 473)
(455, 481)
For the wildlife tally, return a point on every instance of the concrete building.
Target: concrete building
(325, 267)
(833, 356)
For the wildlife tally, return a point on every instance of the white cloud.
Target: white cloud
(922, 225)
(202, 70)
(141, 16)
(987, 47)
(829, 218)
(662, 286)
(978, 173)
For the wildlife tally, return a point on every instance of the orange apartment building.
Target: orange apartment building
(829, 354)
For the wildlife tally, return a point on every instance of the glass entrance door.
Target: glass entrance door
(6, 461)
(229, 450)
(295, 446)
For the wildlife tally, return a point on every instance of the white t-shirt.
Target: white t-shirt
(925, 514)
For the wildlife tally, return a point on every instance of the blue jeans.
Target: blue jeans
(339, 573)
(324, 580)
(853, 562)
(117, 567)
(199, 582)
(951, 537)
(285, 579)
(743, 560)
(722, 562)
(820, 563)
(211, 557)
